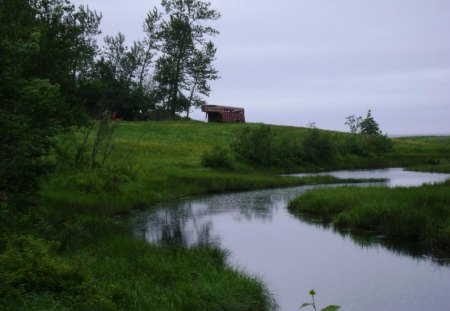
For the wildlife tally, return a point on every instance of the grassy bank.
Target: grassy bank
(420, 214)
(95, 262)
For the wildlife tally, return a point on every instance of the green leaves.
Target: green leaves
(312, 292)
(306, 305)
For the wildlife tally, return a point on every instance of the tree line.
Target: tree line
(166, 73)
(54, 74)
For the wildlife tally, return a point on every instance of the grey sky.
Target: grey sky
(298, 61)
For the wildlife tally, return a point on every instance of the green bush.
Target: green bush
(262, 147)
(218, 158)
(318, 146)
(31, 266)
(254, 146)
(366, 145)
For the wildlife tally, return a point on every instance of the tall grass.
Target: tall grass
(420, 214)
(169, 278)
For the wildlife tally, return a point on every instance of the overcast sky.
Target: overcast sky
(294, 62)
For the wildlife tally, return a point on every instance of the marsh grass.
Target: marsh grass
(149, 277)
(418, 214)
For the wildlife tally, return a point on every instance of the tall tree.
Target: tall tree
(125, 72)
(185, 64)
(201, 71)
(46, 48)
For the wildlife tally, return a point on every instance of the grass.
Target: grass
(419, 214)
(159, 161)
(152, 162)
(115, 272)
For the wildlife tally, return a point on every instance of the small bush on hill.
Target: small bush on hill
(218, 158)
(254, 146)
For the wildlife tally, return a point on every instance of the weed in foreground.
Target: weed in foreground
(313, 304)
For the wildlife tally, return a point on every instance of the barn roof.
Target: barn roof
(217, 108)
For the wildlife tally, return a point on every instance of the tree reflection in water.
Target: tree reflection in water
(184, 225)
(191, 223)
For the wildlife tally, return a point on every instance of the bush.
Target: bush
(366, 145)
(318, 146)
(218, 158)
(261, 147)
(254, 146)
(29, 265)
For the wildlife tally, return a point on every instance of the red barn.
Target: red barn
(224, 114)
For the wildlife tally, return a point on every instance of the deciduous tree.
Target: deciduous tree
(185, 64)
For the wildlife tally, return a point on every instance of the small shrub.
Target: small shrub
(218, 158)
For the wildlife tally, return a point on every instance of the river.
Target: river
(292, 256)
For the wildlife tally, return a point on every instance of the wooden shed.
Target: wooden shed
(224, 114)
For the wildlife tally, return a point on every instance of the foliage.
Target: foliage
(354, 123)
(170, 69)
(31, 265)
(254, 146)
(367, 126)
(318, 146)
(219, 158)
(313, 304)
(366, 145)
(186, 60)
(46, 49)
(310, 148)
(370, 139)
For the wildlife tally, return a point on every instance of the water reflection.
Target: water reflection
(369, 239)
(184, 225)
(395, 176)
(191, 223)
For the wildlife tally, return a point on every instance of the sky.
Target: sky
(296, 62)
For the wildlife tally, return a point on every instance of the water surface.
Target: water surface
(356, 271)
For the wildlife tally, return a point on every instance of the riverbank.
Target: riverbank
(96, 263)
(416, 214)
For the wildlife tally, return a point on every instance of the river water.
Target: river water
(292, 256)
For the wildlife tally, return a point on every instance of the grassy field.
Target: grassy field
(95, 262)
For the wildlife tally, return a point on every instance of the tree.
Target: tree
(118, 70)
(67, 46)
(46, 50)
(200, 71)
(373, 140)
(369, 126)
(185, 64)
(354, 123)
(124, 72)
